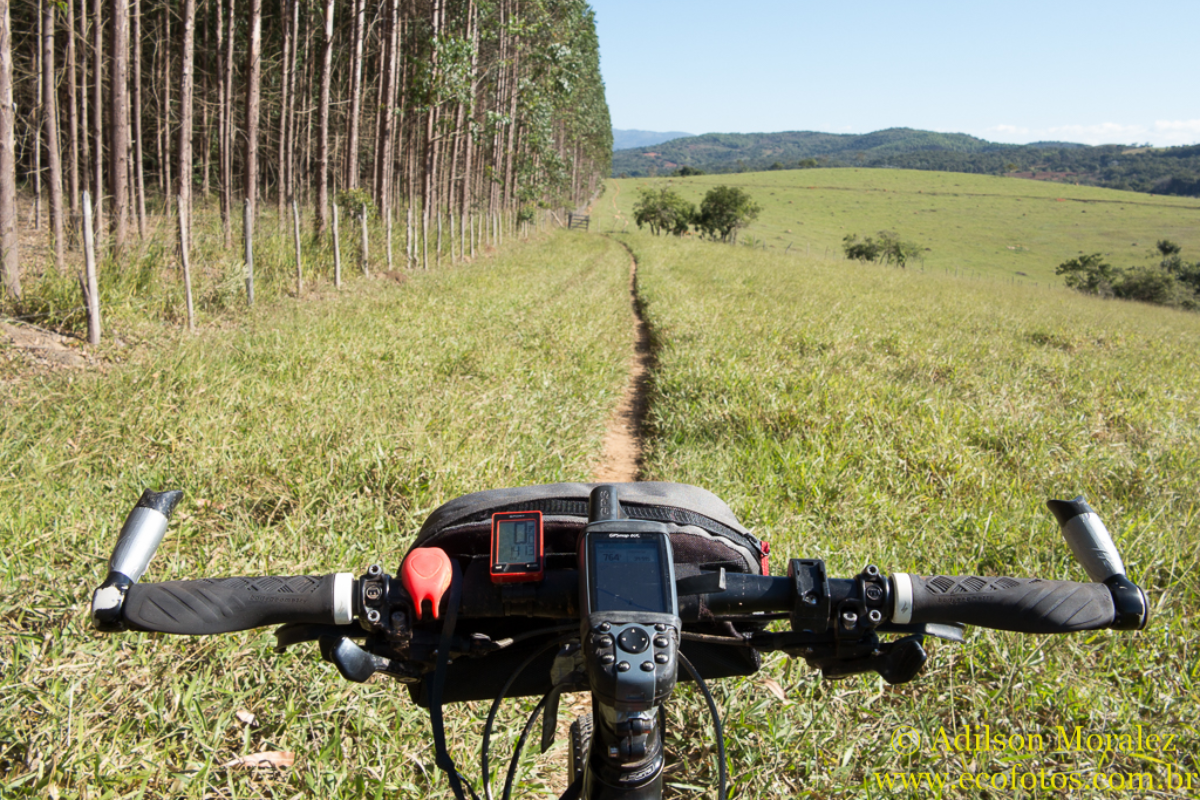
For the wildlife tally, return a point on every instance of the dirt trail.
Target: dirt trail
(622, 457)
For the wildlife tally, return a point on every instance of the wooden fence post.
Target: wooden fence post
(296, 239)
(337, 252)
(248, 236)
(389, 239)
(185, 247)
(362, 215)
(91, 287)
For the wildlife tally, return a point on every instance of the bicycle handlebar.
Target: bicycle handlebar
(1024, 605)
(224, 605)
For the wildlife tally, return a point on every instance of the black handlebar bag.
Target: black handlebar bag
(705, 535)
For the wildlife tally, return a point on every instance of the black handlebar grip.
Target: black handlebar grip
(223, 605)
(1024, 605)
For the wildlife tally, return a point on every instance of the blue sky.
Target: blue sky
(1092, 72)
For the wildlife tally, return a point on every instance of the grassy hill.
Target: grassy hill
(847, 412)
(720, 151)
(1174, 170)
(920, 422)
(979, 225)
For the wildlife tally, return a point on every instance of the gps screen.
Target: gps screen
(627, 576)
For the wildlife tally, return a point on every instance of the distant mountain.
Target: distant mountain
(1173, 170)
(626, 139)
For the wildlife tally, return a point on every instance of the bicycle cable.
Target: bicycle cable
(516, 756)
(716, 718)
(491, 718)
(436, 721)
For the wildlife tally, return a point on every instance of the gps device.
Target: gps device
(631, 620)
(518, 553)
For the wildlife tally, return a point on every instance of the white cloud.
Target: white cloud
(1162, 133)
(1177, 131)
(1101, 133)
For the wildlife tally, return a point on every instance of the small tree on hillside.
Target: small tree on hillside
(1089, 274)
(724, 211)
(664, 211)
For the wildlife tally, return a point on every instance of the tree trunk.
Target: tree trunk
(227, 134)
(72, 117)
(97, 118)
(10, 257)
(167, 83)
(322, 210)
(187, 89)
(356, 90)
(39, 124)
(288, 8)
(119, 97)
(138, 166)
(291, 160)
(253, 89)
(50, 115)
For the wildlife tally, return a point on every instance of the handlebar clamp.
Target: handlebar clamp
(810, 588)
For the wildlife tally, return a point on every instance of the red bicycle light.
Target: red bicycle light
(426, 575)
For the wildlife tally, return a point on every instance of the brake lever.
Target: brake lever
(896, 662)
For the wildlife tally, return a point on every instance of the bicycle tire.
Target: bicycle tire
(581, 744)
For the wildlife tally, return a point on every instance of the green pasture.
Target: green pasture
(977, 225)
(919, 422)
(309, 438)
(855, 413)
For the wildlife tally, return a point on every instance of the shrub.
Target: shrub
(889, 248)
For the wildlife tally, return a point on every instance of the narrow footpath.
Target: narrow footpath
(623, 440)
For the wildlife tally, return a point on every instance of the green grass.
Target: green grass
(145, 283)
(847, 412)
(972, 224)
(919, 422)
(311, 437)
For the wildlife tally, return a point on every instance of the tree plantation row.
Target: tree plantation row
(435, 109)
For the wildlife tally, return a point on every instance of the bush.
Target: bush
(1154, 285)
(866, 250)
(1172, 282)
(351, 201)
(889, 248)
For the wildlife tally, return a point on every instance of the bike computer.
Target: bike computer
(518, 553)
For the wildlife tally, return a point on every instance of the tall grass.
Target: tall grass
(867, 415)
(310, 437)
(144, 283)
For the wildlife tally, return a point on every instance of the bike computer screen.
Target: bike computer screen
(517, 547)
(629, 574)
